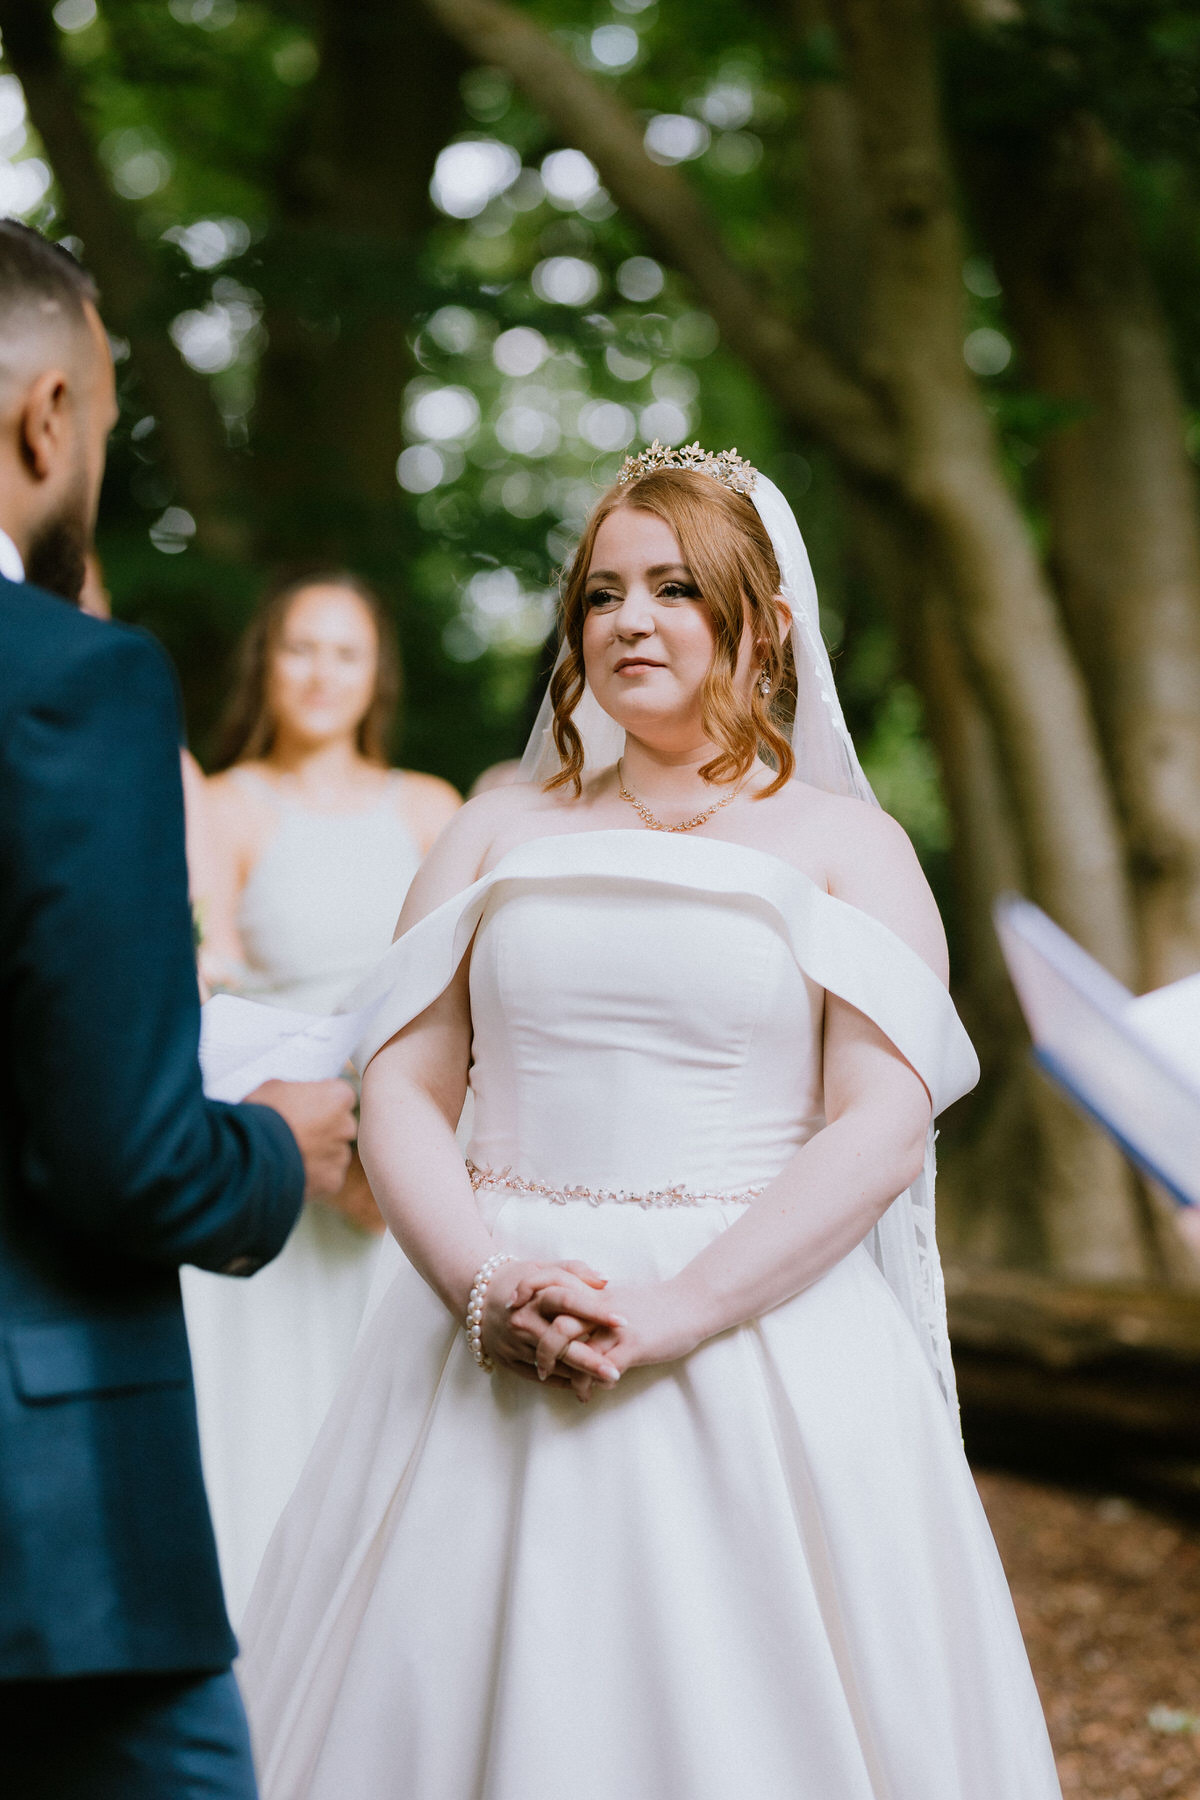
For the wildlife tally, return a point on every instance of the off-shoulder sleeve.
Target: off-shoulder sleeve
(839, 947)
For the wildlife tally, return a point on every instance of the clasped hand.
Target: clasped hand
(561, 1323)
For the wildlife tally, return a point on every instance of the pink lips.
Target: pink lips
(634, 665)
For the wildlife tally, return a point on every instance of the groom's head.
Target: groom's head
(57, 407)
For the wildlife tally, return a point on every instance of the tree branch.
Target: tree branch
(814, 392)
(192, 432)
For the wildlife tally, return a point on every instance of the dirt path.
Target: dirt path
(1108, 1593)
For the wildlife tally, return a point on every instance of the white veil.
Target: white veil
(903, 1243)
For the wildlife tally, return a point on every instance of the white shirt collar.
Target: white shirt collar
(11, 565)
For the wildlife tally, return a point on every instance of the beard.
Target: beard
(56, 558)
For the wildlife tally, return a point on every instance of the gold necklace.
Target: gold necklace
(652, 824)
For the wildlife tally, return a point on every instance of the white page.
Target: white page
(244, 1043)
(1169, 1019)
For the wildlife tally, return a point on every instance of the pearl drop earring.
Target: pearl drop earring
(764, 685)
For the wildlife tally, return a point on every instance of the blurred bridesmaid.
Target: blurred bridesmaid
(314, 840)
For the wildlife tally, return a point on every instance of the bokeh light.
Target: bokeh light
(566, 280)
(498, 610)
(979, 277)
(615, 46)
(137, 165)
(569, 178)
(471, 172)
(673, 382)
(624, 367)
(728, 105)
(209, 338)
(607, 425)
(210, 242)
(454, 328)
(676, 138)
(664, 420)
(736, 152)
(520, 351)
(23, 186)
(694, 335)
(523, 494)
(640, 278)
(12, 112)
(74, 15)
(442, 413)
(420, 468)
(528, 430)
(987, 352)
(173, 531)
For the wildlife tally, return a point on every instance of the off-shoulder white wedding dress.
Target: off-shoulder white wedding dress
(761, 1573)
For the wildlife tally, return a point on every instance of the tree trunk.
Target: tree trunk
(1102, 1380)
(951, 476)
(193, 435)
(340, 279)
(1125, 535)
(1025, 1180)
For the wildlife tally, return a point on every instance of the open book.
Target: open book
(1132, 1064)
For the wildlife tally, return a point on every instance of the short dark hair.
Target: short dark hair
(35, 272)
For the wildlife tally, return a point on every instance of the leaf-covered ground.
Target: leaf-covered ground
(1108, 1593)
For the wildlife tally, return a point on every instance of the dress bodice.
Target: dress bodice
(321, 903)
(649, 1010)
(631, 1036)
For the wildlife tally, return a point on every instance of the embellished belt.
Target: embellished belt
(562, 1196)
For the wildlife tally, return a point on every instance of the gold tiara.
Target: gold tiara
(725, 466)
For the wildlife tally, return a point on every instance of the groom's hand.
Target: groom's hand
(320, 1115)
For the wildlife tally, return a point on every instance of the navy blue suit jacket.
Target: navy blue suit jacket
(114, 1169)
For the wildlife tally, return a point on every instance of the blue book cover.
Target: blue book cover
(1132, 1064)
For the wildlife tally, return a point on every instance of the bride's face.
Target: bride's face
(647, 634)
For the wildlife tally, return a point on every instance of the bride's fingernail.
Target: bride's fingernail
(610, 1374)
(618, 1319)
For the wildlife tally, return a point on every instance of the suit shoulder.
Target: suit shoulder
(30, 614)
(59, 662)
(87, 649)
(45, 639)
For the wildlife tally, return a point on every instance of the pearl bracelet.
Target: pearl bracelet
(475, 1310)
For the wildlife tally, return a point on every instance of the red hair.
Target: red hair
(728, 550)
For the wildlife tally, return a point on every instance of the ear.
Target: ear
(44, 423)
(783, 613)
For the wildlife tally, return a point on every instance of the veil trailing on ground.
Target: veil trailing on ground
(903, 1243)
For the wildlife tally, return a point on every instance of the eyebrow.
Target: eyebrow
(657, 569)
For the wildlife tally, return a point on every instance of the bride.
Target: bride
(697, 990)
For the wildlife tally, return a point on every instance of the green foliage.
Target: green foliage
(204, 114)
(1135, 66)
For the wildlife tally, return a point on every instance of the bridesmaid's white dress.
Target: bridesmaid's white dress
(761, 1573)
(318, 910)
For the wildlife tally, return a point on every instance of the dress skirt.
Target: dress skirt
(760, 1572)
